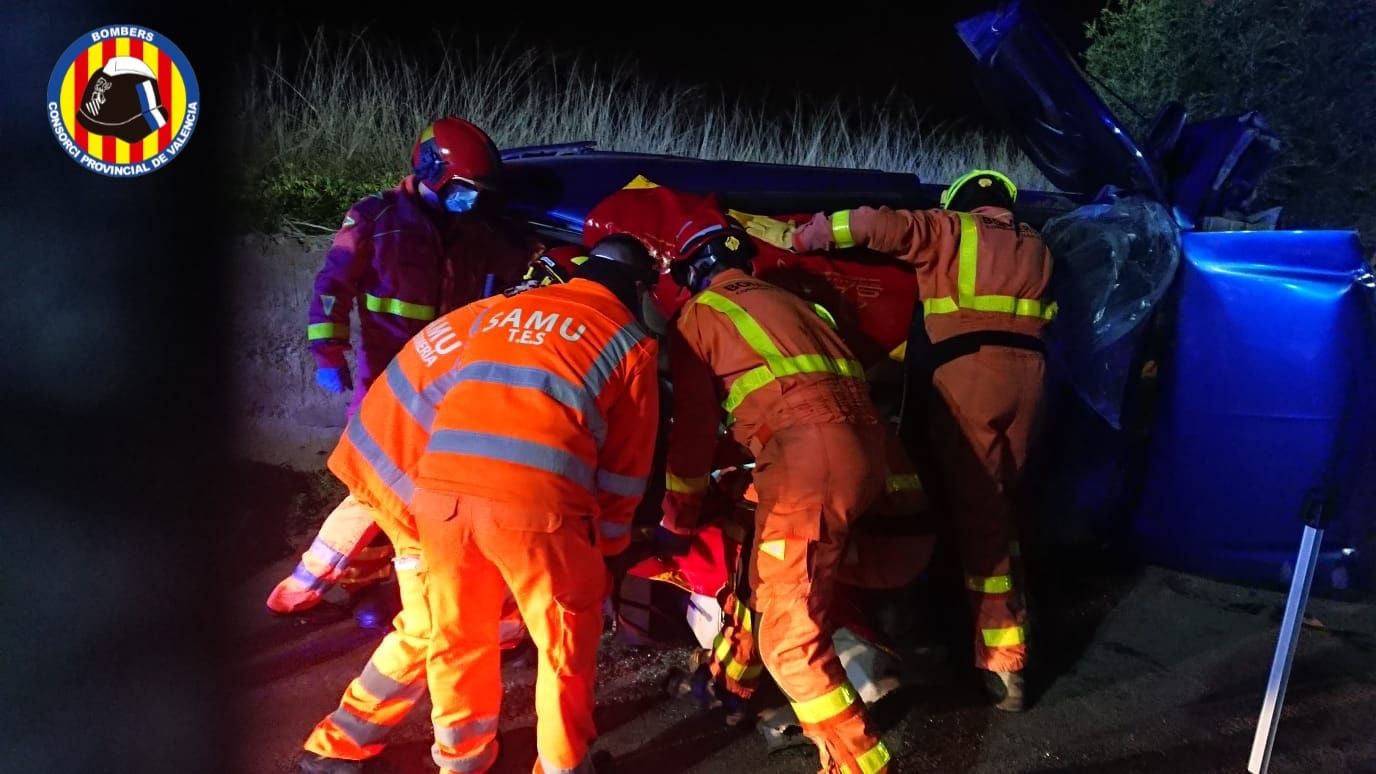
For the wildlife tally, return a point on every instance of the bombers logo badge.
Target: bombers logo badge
(122, 101)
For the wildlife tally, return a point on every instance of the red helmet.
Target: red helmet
(555, 265)
(453, 149)
(708, 238)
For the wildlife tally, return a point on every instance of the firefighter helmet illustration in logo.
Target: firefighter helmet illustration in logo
(123, 101)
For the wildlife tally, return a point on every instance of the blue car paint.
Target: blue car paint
(556, 188)
(1269, 381)
(1268, 395)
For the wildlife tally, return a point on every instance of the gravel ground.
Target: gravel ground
(1143, 670)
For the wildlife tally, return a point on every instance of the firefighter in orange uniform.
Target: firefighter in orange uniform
(789, 389)
(383, 439)
(540, 450)
(983, 281)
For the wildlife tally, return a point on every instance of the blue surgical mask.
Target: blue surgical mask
(460, 198)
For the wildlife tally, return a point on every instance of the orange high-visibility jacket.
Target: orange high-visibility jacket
(760, 358)
(388, 434)
(554, 407)
(976, 271)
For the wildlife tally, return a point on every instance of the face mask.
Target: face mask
(459, 198)
(456, 198)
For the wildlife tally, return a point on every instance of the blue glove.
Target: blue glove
(335, 380)
(671, 543)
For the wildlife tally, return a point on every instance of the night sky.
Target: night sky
(753, 54)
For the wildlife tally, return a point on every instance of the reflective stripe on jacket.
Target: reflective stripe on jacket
(975, 271)
(554, 406)
(388, 434)
(760, 359)
(401, 265)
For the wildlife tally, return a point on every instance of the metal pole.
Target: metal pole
(1289, 639)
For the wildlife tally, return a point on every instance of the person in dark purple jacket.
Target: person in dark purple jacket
(403, 257)
(408, 255)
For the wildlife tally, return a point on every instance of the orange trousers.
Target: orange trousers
(394, 678)
(814, 482)
(980, 424)
(344, 552)
(476, 549)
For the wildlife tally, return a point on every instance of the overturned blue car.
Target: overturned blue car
(1212, 377)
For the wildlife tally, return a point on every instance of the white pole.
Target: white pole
(1289, 639)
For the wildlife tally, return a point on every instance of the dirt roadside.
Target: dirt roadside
(1147, 670)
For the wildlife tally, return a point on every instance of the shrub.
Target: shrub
(1309, 66)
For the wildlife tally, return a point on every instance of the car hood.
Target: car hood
(1035, 88)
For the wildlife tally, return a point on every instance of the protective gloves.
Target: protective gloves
(772, 230)
(334, 379)
(814, 235)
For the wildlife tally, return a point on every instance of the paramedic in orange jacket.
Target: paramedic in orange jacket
(540, 450)
(384, 438)
(983, 281)
(794, 394)
(346, 551)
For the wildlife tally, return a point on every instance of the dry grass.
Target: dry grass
(343, 118)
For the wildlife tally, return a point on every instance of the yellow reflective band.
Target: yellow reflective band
(774, 548)
(776, 365)
(427, 134)
(1002, 638)
(822, 312)
(691, 485)
(994, 584)
(873, 760)
(399, 308)
(639, 181)
(840, 229)
(826, 706)
(579, 260)
(756, 378)
(1022, 307)
(721, 649)
(743, 615)
(969, 260)
(746, 326)
(966, 272)
(326, 331)
(903, 482)
(943, 305)
(740, 672)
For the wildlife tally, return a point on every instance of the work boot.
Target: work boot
(318, 764)
(1008, 689)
